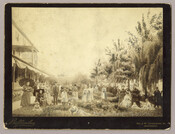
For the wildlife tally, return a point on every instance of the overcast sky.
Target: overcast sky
(71, 40)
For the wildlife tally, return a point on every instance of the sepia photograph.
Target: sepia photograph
(104, 64)
(87, 62)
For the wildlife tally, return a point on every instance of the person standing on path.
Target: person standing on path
(27, 93)
(64, 98)
(55, 94)
(85, 92)
(75, 93)
(91, 93)
(103, 93)
(157, 97)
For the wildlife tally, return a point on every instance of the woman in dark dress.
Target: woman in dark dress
(27, 93)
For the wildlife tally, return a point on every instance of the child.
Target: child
(74, 110)
(40, 97)
(37, 107)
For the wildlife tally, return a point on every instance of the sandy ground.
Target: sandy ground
(16, 105)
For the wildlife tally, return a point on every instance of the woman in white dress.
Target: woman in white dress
(103, 93)
(64, 98)
(49, 98)
(95, 88)
(84, 96)
(89, 93)
(91, 89)
(75, 93)
(127, 101)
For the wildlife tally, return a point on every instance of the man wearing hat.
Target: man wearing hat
(55, 94)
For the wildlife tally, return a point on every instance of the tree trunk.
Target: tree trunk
(13, 75)
(113, 66)
(146, 93)
(96, 80)
(128, 84)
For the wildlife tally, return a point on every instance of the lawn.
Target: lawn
(93, 109)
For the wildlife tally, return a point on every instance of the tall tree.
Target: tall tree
(97, 71)
(148, 49)
(123, 68)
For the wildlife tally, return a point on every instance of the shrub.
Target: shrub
(109, 94)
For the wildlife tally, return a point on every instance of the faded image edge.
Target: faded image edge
(87, 62)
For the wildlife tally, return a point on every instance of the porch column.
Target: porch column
(13, 75)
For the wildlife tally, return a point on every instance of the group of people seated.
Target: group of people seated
(42, 94)
(134, 96)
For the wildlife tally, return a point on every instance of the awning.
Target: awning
(22, 48)
(23, 65)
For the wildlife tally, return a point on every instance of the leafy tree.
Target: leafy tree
(148, 50)
(96, 71)
(123, 68)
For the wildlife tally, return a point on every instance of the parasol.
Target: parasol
(25, 80)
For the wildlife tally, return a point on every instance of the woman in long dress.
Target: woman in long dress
(85, 92)
(103, 94)
(75, 93)
(64, 98)
(96, 88)
(27, 93)
(48, 98)
(91, 95)
(127, 101)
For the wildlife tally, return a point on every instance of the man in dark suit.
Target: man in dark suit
(55, 94)
(157, 97)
